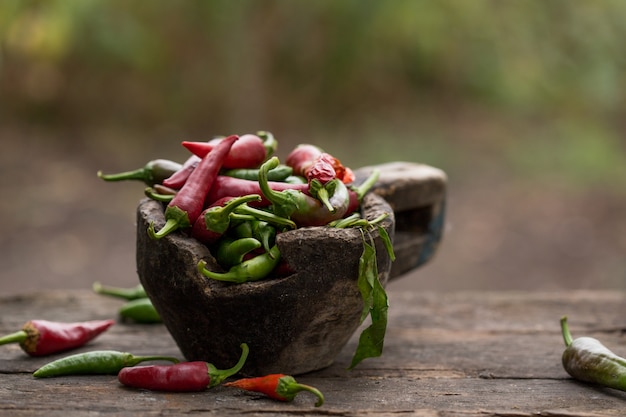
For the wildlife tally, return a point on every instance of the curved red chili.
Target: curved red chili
(181, 377)
(178, 178)
(43, 337)
(183, 210)
(278, 387)
(248, 152)
(225, 186)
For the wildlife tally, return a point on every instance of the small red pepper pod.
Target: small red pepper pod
(180, 377)
(248, 152)
(278, 387)
(42, 337)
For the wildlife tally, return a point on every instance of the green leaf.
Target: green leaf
(387, 241)
(375, 303)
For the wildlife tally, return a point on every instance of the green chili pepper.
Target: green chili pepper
(140, 310)
(259, 230)
(125, 293)
(154, 172)
(253, 269)
(151, 193)
(587, 359)
(230, 252)
(280, 173)
(295, 179)
(95, 362)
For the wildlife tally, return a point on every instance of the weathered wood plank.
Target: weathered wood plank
(456, 354)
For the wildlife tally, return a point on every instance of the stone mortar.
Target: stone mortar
(292, 325)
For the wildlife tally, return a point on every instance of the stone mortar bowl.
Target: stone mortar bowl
(294, 324)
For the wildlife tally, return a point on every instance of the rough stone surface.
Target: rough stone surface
(293, 325)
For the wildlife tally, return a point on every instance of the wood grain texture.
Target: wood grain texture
(446, 354)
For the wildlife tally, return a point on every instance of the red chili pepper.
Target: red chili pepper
(321, 169)
(279, 387)
(225, 186)
(183, 210)
(248, 152)
(180, 377)
(304, 156)
(215, 220)
(177, 179)
(43, 337)
(301, 158)
(304, 209)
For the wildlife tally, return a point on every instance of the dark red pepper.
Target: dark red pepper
(225, 186)
(301, 158)
(248, 152)
(178, 179)
(181, 377)
(278, 387)
(215, 220)
(43, 337)
(302, 208)
(304, 157)
(183, 210)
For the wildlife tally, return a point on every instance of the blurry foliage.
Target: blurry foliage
(552, 73)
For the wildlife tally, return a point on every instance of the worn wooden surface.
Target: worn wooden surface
(449, 354)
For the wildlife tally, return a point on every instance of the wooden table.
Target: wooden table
(446, 354)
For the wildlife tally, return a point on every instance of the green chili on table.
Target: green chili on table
(132, 293)
(587, 359)
(140, 310)
(97, 362)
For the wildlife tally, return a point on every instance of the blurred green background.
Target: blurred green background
(521, 104)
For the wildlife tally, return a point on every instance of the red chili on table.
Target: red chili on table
(181, 377)
(43, 337)
(279, 387)
(183, 210)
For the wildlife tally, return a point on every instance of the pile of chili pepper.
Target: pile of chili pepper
(234, 196)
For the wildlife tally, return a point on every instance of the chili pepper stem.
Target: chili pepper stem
(137, 174)
(567, 336)
(16, 337)
(288, 388)
(219, 375)
(151, 193)
(266, 216)
(139, 359)
(362, 189)
(177, 219)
